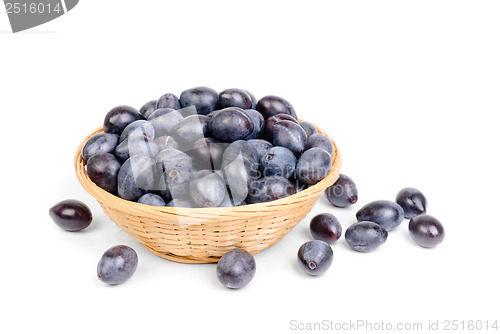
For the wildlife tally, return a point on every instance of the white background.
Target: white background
(409, 90)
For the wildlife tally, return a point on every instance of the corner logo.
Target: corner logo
(31, 13)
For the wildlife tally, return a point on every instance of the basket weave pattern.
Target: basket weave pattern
(203, 235)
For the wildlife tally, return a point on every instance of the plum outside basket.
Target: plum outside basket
(203, 235)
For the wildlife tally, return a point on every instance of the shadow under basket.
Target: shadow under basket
(203, 235)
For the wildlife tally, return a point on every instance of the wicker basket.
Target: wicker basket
(203, 235)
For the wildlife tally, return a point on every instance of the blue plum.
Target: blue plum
(270, 188)
(325, 227)
(117, 265)
(71, 215)
(343, 192)
(103, 169)
(175, 169)
(290, 135)
(278, 161)
(102, 142)
(203, 98)
(313, 165)
(261, 146)
(271, 105)
(136, 177)
(309, 128)
(208, 191)
(148, 108)
(236, 269)
(321, 141)
(426, 231)
(136, 145)
(240, 148)
(119, 117)
(168, 100)
(235, 97)
(387, 214)
(207, 153)
(268, 124)
(190, 129)
(164, 120)
(258, 124)
(231, 124)
(138, 128)
(412, 201)
(152, 199)
(171, 158)
(315, 257)
(365, 236)
(239, 175)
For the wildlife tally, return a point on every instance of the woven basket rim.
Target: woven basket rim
(103, 196)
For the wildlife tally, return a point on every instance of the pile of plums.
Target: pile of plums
(374, 222)
(207, 149)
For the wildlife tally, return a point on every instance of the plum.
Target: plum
(236, 269)
(71, 215)
(412, 201)
(119, 117)
(325, 227)
(103, 169)
(387, 214)
(343, 192)
(271, 105)
(315, 257)
(231, 124)
(203, 98)
(117, 265)
(102, 142)
(426, 231)
(278, 161)
(313, 165)
(290, 135)
(365, 236)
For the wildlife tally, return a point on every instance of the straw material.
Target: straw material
(203, 235)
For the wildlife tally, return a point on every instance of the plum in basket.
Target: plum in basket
(257, 149)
